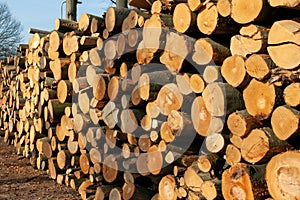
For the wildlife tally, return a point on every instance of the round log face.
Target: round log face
(282, 175)
(259, 99)
(182, 18)
(244, 12)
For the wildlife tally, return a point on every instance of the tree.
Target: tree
(10, 32)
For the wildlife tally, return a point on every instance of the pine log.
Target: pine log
(184, 19)
(244, 182)
(234, 72)
(224, 7)
(110, 168)
(154, 160)
(192, 180)
(169, 98)
(114, 18)
(56, 109)
(175, 51)
(259, 99)
(293, 4)
(64, 25)
(209, 22)
(285, 122)
(55, 41)
(150, 83)
(260, 145)
(141, 4)
(166, 188)
(282, 175)
(259, 66)
(240, 123)
(64, 90)
(286, 55)
(254, 41)
(245, 12)
(70, 43)
(291, 94)
(221, 99)
(207, 50)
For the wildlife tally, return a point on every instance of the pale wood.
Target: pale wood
(260, 145)
(241, 122)
(234, 71)
(207, 50)
(282, 176)
(259, 99)
(259, 66)
(221, 98)
(183, 18)
(285, 122)
(291, 94)
(246, 12)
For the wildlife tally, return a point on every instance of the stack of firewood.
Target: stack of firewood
(177, 99)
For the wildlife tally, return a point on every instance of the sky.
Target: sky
(41, 14)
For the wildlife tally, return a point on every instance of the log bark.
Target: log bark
(245, 12)
(221, 99)
(184, 19)
(260, 145)
(244, 182)
(207, 50)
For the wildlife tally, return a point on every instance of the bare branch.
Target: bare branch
(10, 32)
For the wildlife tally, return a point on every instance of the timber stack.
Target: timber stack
(177, 99)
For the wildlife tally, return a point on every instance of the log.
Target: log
(70, 43)
(175, 51)
(154, 160)
(150, 83)
(207, 50)
(209, 22)
(240, 123)
(110, 168)
(169, 98)
(291, 94)
(85, 22)
(282, 175)
(55, 41)
(245, 182)
(64, 91)
(286, 55)
(285, 122)
(114, 18)
(184, 19)
(259, 66)
(293, 4)
(166, 188)
(141, 4)
(224, 7)
(64, 25)
(234, 72)
(260, 145)
(245, 12)
(221, 99)
(259, 99)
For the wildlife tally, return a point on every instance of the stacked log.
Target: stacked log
(169, 100)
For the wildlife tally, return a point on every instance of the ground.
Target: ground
(19, 180)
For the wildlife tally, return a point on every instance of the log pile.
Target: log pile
(130, 106)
